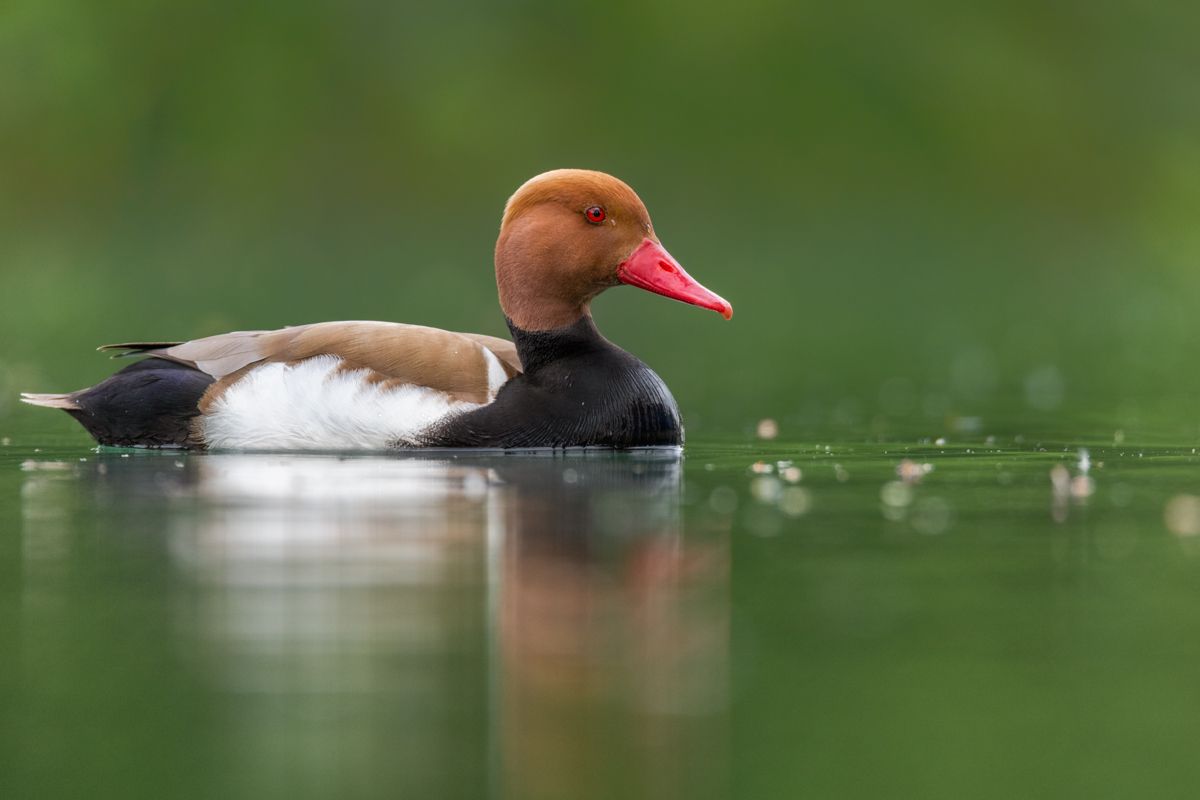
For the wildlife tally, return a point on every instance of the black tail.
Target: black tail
(148, 404)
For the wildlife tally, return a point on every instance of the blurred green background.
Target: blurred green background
(932, 218)
(920, 211)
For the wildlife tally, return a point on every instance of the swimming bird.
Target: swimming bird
(565, 237)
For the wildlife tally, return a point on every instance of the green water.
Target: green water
(648, 625)
(932, 219)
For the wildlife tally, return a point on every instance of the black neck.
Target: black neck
(536, 349)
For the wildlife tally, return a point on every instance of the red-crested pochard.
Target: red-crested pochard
(566, 236)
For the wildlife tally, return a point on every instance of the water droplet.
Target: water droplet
(1082, 487)
(896, 494)
(795, 501)
(766, 489)
(1182, 515)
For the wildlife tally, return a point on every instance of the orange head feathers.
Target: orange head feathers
(568, 235)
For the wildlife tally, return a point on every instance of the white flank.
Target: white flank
(314, 406)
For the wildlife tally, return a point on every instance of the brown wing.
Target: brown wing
(450, 362)
(503, 349)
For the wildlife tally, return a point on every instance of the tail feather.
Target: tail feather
(150, 403)
(137, 348)
(64, 401)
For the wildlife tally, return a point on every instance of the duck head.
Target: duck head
(569, 234)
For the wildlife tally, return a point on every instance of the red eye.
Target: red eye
(595, 214)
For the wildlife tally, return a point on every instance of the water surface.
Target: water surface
(908, 618)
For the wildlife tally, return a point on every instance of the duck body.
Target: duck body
(340, 386)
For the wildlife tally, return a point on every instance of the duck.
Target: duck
(565, 237)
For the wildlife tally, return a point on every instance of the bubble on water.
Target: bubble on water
(896, 494)
(723, 500)
(792, 474)
(932, 516)
(911, 472)
(1085, 461)
(795, 501)
(840, 473)
(569, 475)
(1044, 388)
(1082, 487)
(1060, 485)
(767, 428)
(1060, 479)
(1182, 515)
(766, 489)
(940, 441)
(44, 466)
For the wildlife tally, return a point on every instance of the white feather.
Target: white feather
(497, 377)
(313, 405)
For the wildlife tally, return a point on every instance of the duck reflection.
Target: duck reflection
(612, 631)
(536, 624)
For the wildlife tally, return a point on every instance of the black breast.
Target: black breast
(578, 390)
